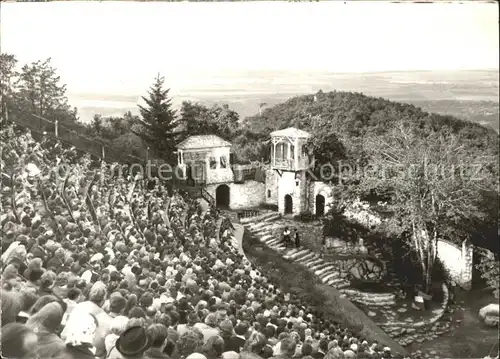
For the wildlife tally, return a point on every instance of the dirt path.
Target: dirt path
(469, 338)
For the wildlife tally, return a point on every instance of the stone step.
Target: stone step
(319, 266)
(293, 251)
(299, 254)
(266, 238)
(261, 231)
(342, 285)
(260, 218)
(325, 270)
(275, 217)
(314, 262)
(329, 275)
(337, 282)
(311, 261)
(302, 255)
(376, 296)
(307, 258)
(279, 247)
(272, 241)
(257, 225)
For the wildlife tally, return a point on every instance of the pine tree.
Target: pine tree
(159, 121)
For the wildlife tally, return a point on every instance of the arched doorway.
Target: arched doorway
(320, 205)
(222, 196)
(288, 204)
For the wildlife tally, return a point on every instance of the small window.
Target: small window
(223, 162)
(213, 163)
(268, 193)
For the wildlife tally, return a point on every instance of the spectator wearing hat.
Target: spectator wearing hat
(131, 344)
(157, 334)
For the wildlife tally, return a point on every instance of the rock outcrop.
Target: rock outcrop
(490, 314)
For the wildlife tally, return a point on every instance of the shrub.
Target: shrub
(490, 270)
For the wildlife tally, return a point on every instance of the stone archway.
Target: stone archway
(222, 196)
(320, 205)
(288, 204)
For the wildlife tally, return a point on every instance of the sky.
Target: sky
(118, 47)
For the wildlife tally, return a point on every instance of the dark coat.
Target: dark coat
(50, 345)
(155, 353)
(76, 353)
(234, 344)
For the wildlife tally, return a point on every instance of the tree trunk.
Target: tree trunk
(425, 250)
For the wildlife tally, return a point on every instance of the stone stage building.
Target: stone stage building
(206, 162)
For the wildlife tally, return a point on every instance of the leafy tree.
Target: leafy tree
(129, 143)
(39, 92)
(198, 119)
(434, 185)
(7, 74)
(96, 125)
(158, 122)
(225, 120)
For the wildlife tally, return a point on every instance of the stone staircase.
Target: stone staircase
(267, 229)
(383, 308)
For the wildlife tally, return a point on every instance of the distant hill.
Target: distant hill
(355, 117)
(471, 95)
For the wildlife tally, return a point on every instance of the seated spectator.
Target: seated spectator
(157, 334)
(18, 341)
(80, 331)
(133, 342)
(11, 306)
(237, 341)
(117, 326)
(46, 324)
(214, 347)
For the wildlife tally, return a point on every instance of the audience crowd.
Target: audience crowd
(101, 263)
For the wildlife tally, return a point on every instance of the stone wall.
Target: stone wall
(247, 194)
(242, 195)
(271, 187)
(288, 186)
(323, 189)
(457, 260)
(219, 175)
